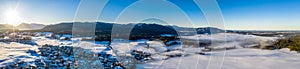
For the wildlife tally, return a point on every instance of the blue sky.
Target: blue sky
(238, 14)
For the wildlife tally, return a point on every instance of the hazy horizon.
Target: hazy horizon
(237, 14)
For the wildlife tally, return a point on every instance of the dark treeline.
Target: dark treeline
(293, 43)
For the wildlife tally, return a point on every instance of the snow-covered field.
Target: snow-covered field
(11, 52)
(187, 58)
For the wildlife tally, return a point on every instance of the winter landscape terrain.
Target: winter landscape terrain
(149, 34)
(236, 51)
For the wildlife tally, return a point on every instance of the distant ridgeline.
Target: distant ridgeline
(32, 26)
(5, 27)
(141, 28)
(139, 31)
(22, 26)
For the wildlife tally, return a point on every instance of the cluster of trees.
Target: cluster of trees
(293, 43)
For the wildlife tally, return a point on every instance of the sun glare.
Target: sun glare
(12, 17)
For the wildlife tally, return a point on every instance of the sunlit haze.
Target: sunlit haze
(12, 17)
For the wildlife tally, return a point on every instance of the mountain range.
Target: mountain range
(22, 26)
(140, 29)
(32, 26)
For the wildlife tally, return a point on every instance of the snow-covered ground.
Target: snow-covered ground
(10, 52)
(186, 58)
